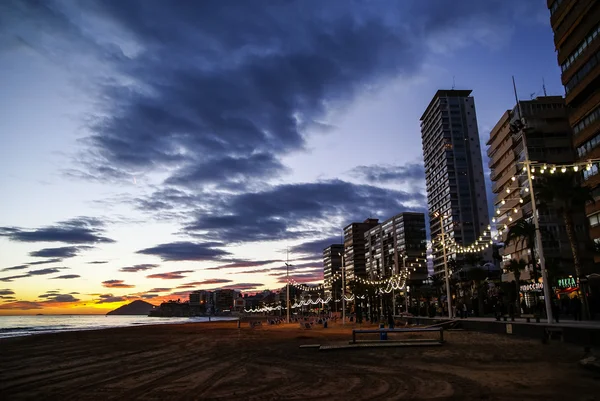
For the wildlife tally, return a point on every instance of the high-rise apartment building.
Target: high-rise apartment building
(332, 264)
(454, 170)
(398, 243)
(576, 26)
(549, 140)
(354, 248)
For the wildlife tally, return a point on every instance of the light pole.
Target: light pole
(448, 296)
(343, 289)
(288, 265)
(538, 234)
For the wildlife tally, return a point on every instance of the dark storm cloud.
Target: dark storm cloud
(61, 252)
(66, 277)
(282, 212)
(116, 284)
(81, 230)
(185, 250)
(243, 263)
(407, 173)
(138, 268)
(171, 275)
(220, 83)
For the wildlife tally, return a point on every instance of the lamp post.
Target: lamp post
(538, 235)
(343, 289)
(448, 296)
(288, 265)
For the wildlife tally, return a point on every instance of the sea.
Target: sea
(15, 326)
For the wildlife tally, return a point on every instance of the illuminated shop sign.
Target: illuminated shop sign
(568, 282)
(532, 287)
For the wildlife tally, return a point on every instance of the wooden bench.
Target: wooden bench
(530, 316)
(551, 332)
(439, 330)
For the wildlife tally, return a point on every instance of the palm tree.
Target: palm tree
(516, 267)
(566, 194)
(523, 231)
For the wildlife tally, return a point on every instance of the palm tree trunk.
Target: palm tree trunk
(568, 218)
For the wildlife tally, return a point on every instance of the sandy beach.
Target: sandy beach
(218, 361)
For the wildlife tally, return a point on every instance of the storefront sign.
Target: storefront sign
(532, 287)
(568, 282)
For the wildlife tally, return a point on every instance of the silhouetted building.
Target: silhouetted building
(549, 140)
(396, 244)
(332, 264)
(354, 248)
(454, 170)
(576, 26)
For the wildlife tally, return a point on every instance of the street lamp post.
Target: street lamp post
(288, 265)
(343, 289)
(448, 296)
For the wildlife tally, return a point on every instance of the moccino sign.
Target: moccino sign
(569, 282)
(532, 287)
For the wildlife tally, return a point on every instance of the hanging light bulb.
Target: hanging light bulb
(563, 170)
(503, 201)
(493, 220)
(575, 168)
(526, 189)
(498, 211)
(533, 177)
(521, 200)
(507, 190)
(544, 167)
(552, 170)
(510, 219)
(513, 178)
(533, 169)
(588, 167)
(515, 209)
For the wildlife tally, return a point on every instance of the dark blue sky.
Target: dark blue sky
(192, 142)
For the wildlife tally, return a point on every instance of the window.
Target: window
(588, 145)
(587, 120)
(581, 48)
(582, 73)
(587, 174)
(594, 219)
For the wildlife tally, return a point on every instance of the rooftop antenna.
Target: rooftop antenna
(517, 98)
(453, 82)
(544, 87)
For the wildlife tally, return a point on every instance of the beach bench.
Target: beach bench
(552, 332)
(530, 316)
(383, 337)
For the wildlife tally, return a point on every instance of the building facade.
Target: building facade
(454, 171)
(332, 264)
(354, 248)
(397, 244)
(549, 140)
(576, 26)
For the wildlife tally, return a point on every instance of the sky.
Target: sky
(151, 148)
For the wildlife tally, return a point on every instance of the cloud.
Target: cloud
(61, 252)
(21, 305)
(45, 262)
(315, 248)
(19, 267)
(31, 273)
(185, 250)
(109, 298)
(7, 298)
(239, 286)
(406, 173)
(52, 297)
(138, 268)
(303, 277)
(116, 284)
(291, 211)
(98, 262)
(66, 277)
(149, 296)
(81, 230)
(244, 263)
(6, 291)
(159, 290)
(252, 271)
(171, 275)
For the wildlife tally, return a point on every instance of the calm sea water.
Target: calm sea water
(13, 326)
